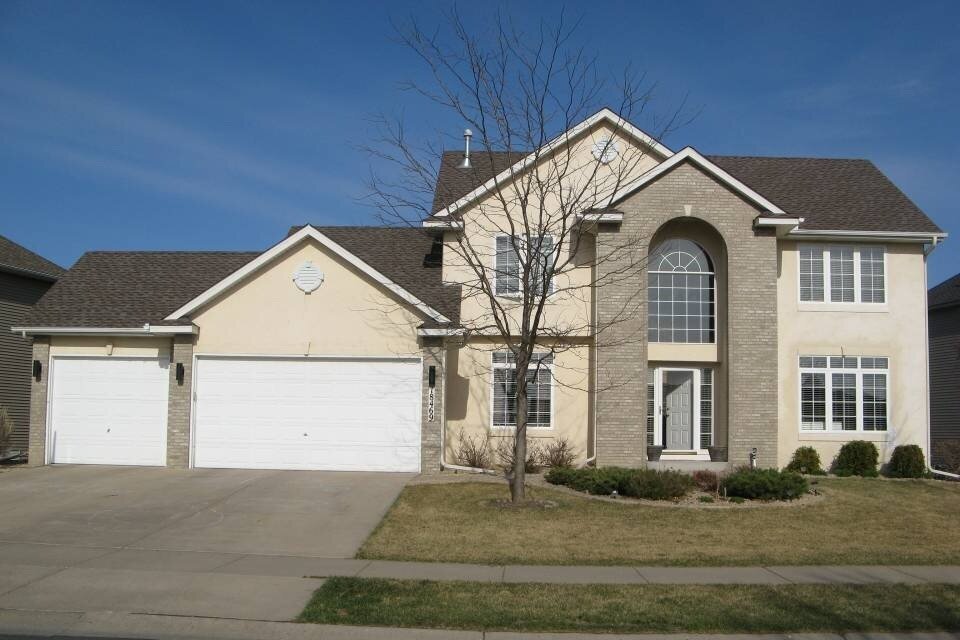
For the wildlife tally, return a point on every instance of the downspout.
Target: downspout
(926, 336)
(592, 460)
(443, 428)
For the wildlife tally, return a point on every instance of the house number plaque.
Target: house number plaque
(431, 404)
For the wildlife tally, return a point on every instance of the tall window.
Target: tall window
(843, 393)
(508, 261)
(539, 390)
(841, 274)
(681, 294)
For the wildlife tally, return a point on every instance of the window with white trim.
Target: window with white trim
(539, 390)
(680, 294)
(507, 264)
(843, 393)
(842, 274)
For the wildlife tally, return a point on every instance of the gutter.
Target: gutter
(924, 237)
(145, 331)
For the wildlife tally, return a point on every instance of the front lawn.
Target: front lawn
(859, 521)
(636, 608)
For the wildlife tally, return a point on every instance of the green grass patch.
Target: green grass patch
(859, 521)
(636, 608)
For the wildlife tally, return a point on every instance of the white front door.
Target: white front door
(337, 414)
(108, 410)
(678, 409)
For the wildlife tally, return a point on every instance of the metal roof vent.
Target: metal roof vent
(465, 164)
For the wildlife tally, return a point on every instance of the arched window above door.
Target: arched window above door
(681, 293)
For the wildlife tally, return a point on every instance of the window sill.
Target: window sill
(845, 436)
(844, 307)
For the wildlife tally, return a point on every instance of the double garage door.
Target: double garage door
(255, 413)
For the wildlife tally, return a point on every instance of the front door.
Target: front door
(678, 409)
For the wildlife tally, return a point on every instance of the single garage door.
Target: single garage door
(306, 413)
(109, 410)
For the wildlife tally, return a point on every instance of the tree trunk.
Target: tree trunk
(518, 481)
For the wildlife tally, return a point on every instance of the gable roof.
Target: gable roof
(130, 288)
(517, 161)
(20, 260)
(295, 238)
(689, 154)
(829, 194)
(947, 293)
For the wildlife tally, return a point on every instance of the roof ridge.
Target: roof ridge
(718, 155)
(168, 252)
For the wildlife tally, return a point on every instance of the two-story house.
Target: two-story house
(782, 302)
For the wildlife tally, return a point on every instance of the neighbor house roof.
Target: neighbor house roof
(128, 289)
(829, 194)
(946, 293)
(17, 259)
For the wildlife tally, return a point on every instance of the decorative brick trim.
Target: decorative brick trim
(38, 403)
(180, 403)
(432, 351)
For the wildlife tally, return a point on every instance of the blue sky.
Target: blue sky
(205, 125)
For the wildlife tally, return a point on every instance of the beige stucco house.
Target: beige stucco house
(783, 304)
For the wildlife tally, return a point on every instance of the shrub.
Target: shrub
(473, 451)
(946, 456)
(505, 455)
(737, 500)
(558, 453)
(706, 480)
(806, 460)
(764, 484)
(857, 458)
(706, 498)
(649, 484)
(907, 462)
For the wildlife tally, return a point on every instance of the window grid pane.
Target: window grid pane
(844, 393)
(841, 275)
(651, 390)
(539, 390)
(681, 307)
(872, 285)
(813, 401)
(811, 274)
(874, 402)
(507, 267)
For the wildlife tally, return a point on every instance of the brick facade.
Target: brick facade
(38, 403)
(432, 350)
(747, 319)
(179, 403)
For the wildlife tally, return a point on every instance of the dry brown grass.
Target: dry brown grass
(860, 521)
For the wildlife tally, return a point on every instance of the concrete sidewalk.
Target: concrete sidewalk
(134, 626)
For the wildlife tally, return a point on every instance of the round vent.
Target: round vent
(308, 278)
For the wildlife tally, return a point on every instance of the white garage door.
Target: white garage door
(109, 410)
(338, 414)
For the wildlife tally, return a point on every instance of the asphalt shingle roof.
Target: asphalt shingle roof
(830, 194)
(131, 288)
(18, 259)
(945, 293)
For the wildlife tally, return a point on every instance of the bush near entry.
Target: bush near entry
(857, 458)
(907, 462)
(806, 460)
(765, 484)
(648, 484)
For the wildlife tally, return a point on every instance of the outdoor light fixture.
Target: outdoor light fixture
(432, 377)
(37, 370)
(753, 458)
(180, 373)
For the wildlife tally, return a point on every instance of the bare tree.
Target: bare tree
(521, 95)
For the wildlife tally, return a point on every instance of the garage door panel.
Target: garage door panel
(109, 411)
(308, 414)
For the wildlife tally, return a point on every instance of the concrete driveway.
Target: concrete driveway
(220, 543)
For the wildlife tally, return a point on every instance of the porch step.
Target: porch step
(687, 465)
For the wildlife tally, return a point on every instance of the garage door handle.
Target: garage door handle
(304, 435)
